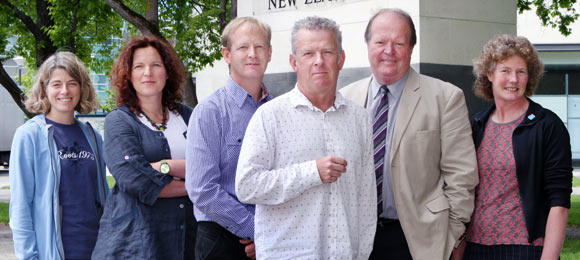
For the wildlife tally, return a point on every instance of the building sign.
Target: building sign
(288, 5)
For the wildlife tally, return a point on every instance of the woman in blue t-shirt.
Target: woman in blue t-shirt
(57, 174)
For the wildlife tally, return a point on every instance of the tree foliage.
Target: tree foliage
(74, 26)
(44, 26)
(558, 14)
(197, 38)
(193, 27)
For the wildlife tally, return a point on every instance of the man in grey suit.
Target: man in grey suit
(425, 159)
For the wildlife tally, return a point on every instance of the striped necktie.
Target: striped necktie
(379, 139)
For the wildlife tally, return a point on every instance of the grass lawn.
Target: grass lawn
(574, 216)
(4, 212)
(110, 181)
(571, 249)
(575, 181)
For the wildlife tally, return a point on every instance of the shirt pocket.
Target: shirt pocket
(233, 145)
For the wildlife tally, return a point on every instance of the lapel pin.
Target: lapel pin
(531, 116)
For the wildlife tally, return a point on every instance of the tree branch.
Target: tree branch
(16, 93)
(26, 20)
(146, 27)
(73, 28)
(233, 9)
(152, 14)
(223, 16)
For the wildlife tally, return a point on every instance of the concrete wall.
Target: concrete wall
(450, 34)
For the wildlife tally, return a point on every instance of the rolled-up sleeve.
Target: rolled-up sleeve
(204, 175)
(557, 165)
(124, 157)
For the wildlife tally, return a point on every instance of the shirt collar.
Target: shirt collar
(396, 89)
(240, 95)
(298, 99)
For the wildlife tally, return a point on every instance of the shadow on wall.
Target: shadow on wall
(280, 83)
(461, 76)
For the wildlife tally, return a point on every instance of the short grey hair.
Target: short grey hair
(316, 23)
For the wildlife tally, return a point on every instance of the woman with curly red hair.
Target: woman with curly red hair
(148, 215)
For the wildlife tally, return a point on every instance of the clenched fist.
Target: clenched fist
(330, 168)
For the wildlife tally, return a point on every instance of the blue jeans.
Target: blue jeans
(213, 242)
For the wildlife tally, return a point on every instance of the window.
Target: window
(552, 83)
(574, 83)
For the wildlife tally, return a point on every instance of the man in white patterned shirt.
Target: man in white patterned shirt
(306, 160)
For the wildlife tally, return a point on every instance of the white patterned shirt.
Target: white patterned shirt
(298, 216)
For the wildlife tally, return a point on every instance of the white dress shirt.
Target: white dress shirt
(298, 216)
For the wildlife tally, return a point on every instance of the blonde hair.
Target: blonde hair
(234, 24)
(38, 101)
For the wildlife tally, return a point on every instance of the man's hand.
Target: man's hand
(330, 168)
(250, 248)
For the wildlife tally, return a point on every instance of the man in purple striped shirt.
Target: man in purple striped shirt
(215, 133)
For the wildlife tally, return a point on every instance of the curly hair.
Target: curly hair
(121, 74)
(498, 49)
(68, 61)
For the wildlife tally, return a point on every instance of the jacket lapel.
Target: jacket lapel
(361, 96)
(407, 106)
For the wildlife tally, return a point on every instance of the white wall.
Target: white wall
(530, 26)
(448, 31)
(459, 29)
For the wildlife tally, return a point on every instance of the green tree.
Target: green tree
(556, 13)
(193, 28)
(44, 26)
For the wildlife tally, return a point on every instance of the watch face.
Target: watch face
(164, 168)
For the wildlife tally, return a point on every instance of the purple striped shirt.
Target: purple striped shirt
(215, 134)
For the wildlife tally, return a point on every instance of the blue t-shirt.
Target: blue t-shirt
(77, 191)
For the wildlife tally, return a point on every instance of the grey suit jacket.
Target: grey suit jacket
(433, 163)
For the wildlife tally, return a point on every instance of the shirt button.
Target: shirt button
(126, 157)
(181, 206)
(180, 226)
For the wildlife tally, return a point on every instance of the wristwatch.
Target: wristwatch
(164, 167)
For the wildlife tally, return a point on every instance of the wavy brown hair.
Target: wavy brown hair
(498, 49)
(121, 74)
(68, 61)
